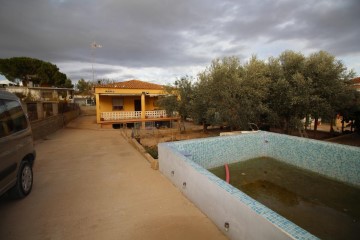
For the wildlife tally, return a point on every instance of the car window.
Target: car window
(12, 117)
(4, 118)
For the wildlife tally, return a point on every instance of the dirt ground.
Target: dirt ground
(152, 136)
(154, 139)
(90, 183)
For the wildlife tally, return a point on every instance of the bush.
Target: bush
(153, 151)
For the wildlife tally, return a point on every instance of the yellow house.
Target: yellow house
(129, 102)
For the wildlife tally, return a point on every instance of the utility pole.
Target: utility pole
(93, 45)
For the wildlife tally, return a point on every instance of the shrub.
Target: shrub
(153, 151)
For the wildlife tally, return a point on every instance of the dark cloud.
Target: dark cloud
(326, 25)
(171, 34)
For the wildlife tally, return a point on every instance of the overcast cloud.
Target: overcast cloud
(159, 40)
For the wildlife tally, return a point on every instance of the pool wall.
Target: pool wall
(185, 164)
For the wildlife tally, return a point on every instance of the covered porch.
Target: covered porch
(130, 102)
(126, 115)
(130, 108)
(135, 117)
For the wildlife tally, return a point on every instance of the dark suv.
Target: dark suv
(17, 153)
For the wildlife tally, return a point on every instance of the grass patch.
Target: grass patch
(153, 151)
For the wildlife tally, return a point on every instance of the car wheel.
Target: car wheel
(24, 181)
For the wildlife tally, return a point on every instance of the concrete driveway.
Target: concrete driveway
(90, 183)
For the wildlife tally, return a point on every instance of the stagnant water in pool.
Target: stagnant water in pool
(326, 208)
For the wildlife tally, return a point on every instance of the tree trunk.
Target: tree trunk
(315, 126)
(181, 126)
(204, 127)
(307, 122)
(286, 126)
(332, 125)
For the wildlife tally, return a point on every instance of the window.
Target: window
(12, 117)
(89, 102)
(118, 104)
(32, 111)
(48, 109)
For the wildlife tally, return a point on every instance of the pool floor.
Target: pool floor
(326, 208)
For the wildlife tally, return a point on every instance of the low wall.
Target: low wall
(44, 127)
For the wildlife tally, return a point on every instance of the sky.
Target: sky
(160, 41)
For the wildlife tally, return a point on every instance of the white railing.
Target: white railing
(155, 114)
(110, 116)
(121, 115)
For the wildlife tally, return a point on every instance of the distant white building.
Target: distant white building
(6, 83)
(84, 100)
(43, 93)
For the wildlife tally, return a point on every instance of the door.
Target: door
(137, 105)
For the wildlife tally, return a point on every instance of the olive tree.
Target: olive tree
(215, 95)
(228, 93)
(289, 90)
(329, 89)
(184, 92)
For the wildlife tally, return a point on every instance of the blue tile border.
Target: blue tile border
(329, 159)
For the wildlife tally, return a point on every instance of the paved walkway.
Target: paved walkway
(90, 183)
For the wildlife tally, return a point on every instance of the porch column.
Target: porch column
(68, 96)
(143, 109)
(97, 108)
(40, 110)
(55, 107)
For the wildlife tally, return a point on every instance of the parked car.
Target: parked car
(17, 153)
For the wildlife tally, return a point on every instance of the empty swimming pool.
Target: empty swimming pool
(237, 214)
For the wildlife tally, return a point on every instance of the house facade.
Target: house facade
(356, 83)
(129, 102)
(84, 100)
(43, 93)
